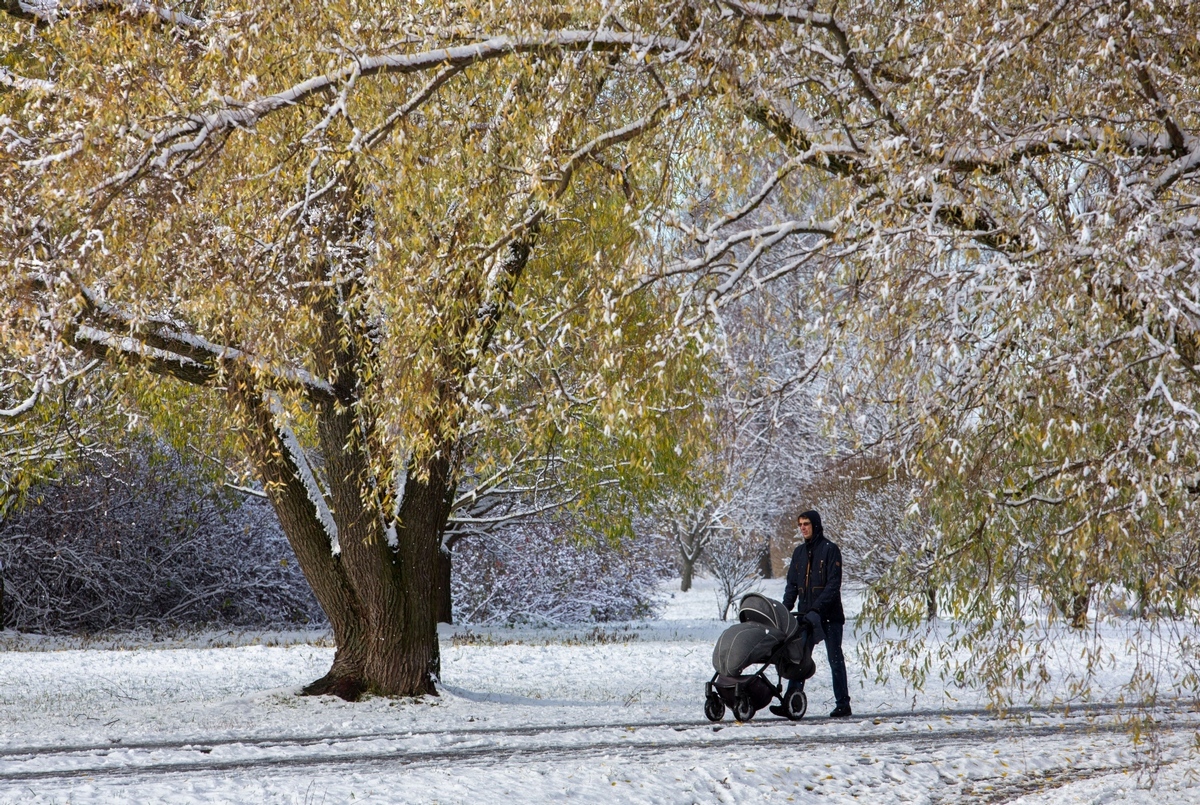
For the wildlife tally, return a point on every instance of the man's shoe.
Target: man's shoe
(778, 710)
(841, 711)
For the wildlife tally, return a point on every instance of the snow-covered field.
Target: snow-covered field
(536, 715)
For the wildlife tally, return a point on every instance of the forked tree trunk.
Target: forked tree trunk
(381, 603)
(690, 550)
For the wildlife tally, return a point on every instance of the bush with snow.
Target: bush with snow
(537, 573)
(147, 539)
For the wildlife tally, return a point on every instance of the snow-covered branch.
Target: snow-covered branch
(178, 143)
(303, 471)
(188, 357)
(18, 82)
(27, 404)
(50, 11)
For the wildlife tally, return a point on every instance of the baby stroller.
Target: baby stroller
(766, 635)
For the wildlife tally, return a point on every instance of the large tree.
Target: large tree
(383, 237)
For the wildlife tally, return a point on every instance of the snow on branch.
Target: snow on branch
(175, 145)
(780, 13)
(50, 11)
(1181, 167)
(18, 82)
(295, 456)
(187, 356)
(965, 158)
(92, 341)
(25, 405)
(42, 384)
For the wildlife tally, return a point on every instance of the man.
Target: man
(814, 585)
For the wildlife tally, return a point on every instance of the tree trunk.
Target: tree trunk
(381, 603)
(366, 555)
(764, 561)
(1079, 608)
(423, 514)
(931, 604)
(685, 576)
(690, 550)
(310, 542)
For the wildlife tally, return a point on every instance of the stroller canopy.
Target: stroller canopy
(757, 608)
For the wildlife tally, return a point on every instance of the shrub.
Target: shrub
(147, 539)
(535, 573)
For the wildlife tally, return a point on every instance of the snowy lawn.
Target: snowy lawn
(537, 715)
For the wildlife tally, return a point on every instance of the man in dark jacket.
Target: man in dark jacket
(814, 585)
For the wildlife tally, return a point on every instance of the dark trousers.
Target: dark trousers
(837, 665)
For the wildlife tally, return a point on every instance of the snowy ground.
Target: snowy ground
(535, 716)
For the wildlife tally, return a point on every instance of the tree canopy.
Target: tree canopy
(404, 233)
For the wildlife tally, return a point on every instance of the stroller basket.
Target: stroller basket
(757, 688)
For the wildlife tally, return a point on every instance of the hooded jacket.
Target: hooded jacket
(814, 578)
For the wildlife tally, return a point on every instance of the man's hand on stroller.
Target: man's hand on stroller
(817, 630)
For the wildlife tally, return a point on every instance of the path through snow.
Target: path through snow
(537, 715)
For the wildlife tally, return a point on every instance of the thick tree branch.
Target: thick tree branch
(169, 148)
(124, 349)
(168, 349)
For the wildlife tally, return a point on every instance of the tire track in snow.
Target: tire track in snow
(619, 745)
(201, 744)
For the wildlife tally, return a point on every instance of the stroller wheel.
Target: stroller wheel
(743, 708)
(796, 705)
(714, 708)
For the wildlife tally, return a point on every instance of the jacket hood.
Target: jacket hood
(814, 517)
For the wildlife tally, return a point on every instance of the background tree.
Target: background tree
(1010, 197)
